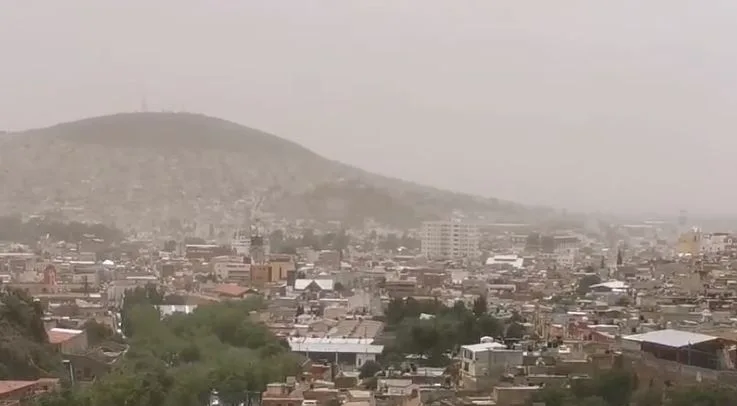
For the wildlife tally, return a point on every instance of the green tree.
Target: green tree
(704, 396)
(170, 246)
(99, 332)
(24, 353)
(369, 369)
(480, 306)
(515, 330)
(440, 336)
(616, 387)
(178, 360)
(553, 397)
(649, 397)
(144, 387)
(585, 283)
(389, 243)
(593, 401)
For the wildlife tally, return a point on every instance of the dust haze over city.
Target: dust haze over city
(620, 107)
(367, 203)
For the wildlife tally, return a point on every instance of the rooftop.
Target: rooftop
(231, 290)
(483, 347)
(611, 285)
(11, 386)
(671, 338)
(335, 347)
(324, 284)
(60, 335)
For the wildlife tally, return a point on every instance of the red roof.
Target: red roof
(12, 386)
(58, 337)
(231, 290)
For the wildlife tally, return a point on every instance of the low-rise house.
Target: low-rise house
(230, 291)
(68, 341)
(313, 288)
(349, 352)
(16, 392)
(485, 361)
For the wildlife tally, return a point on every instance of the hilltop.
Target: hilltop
(150, 169)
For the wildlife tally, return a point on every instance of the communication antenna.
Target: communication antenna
(144, 98)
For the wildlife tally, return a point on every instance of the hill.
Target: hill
(146, 170)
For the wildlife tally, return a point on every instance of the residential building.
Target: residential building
(681, 356)
(68, 341)
(281, 394)
(19, 392)
(262, 274)
(505, 262)
(715, 243)
(689, 243)
(343, 351)
(231, 269)
(400, 288)
(480, 362)
(449, 240)
(282, 265)
(313, 288)
(231, 291)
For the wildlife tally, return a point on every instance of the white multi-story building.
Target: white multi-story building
(715, 243)
(450, 240)
(231, 269)
(480, 362)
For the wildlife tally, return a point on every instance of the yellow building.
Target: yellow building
(281, 265)
(689, 243)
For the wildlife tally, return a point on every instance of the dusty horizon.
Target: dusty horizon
(623, 107)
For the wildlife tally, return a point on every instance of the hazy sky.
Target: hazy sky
(610, 105)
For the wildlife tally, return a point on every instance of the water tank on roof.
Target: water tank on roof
(486, 340)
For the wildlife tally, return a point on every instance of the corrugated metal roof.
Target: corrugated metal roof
(343, 348)
(324, 284)
(331, 340)
(611, 285)
(671, 338)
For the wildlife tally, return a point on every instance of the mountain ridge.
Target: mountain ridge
(144, 168)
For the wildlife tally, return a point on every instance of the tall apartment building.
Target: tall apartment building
(449, 240)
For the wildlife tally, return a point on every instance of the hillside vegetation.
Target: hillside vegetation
(25, 353)
(144, 169)
(185, 359)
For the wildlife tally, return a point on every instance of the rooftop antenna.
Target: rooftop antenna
(144, 99)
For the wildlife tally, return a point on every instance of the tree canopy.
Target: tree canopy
(24, 346)
(437, 337)
(620, 387)
(182, 359)
(585, 283)
(13, 228)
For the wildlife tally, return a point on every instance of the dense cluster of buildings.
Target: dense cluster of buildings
(649, 294)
